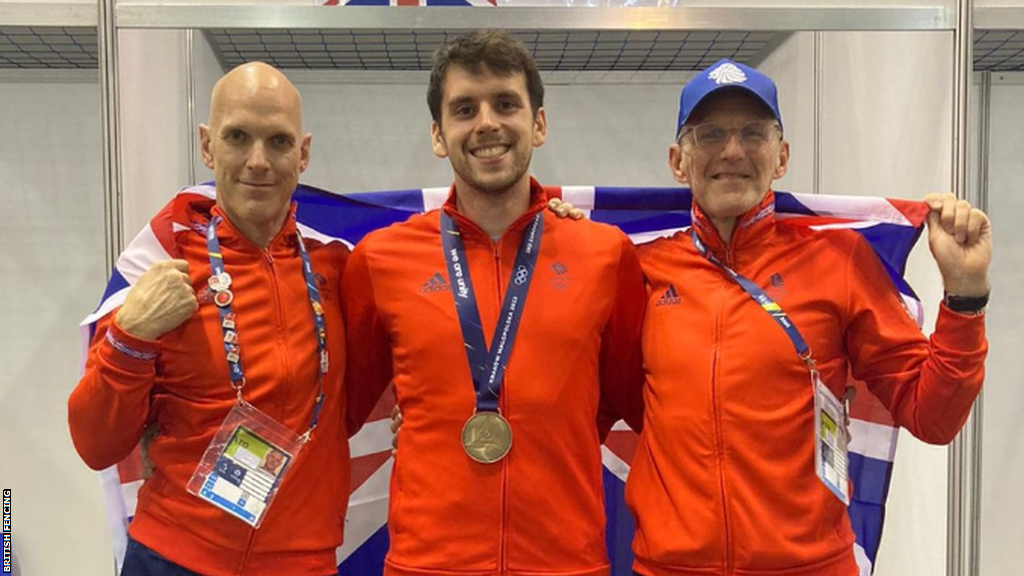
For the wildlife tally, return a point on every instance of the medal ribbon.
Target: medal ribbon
(227, 322)
(488, 366)
(762, 299)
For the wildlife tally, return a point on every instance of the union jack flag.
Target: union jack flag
(891, 226)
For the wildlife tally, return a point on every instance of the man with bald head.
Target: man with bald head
(227, 357)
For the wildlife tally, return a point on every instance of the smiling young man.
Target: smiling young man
(503, 329)
(751, 358)
(229, 327)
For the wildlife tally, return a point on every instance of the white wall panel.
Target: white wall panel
(791, 65)
(369, 137)
(377, 136)
(609, 134)
(207, 71)
(52, 270)
(154, 128)
(1002, 506)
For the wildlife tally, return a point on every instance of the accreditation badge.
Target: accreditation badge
(245, 464)
(830, 440)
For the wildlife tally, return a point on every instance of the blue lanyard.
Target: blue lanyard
(220, 283)
(762, 299)
(488, 366)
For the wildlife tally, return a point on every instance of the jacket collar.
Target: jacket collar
(196, 215)
(753, 227)
(538, 202)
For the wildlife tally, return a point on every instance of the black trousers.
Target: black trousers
(140, 560)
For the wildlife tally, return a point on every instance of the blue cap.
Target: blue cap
(727, 74)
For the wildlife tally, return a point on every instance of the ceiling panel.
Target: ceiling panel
(47, 47)
(999, 50)
(553, 50)
(562, 50)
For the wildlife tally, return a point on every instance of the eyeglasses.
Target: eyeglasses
(753, 135)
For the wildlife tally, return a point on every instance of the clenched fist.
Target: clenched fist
(960, 238)
(159, 302)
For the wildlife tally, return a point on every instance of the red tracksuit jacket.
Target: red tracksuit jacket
(186, 391)
(723, 482)
(540, 509)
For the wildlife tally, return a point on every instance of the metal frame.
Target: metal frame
(973, 430)
(819, 80)
(134, 14)
(111, 120)
(68, 14)
(965, 454)
(999, 17)
(190, 99)
(958, 553)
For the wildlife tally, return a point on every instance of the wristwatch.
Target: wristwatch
(971, 305)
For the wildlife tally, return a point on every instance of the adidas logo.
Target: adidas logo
(727, 73)
(670, 297)
(436, 283)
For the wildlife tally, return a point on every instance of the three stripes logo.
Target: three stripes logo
(670, 297)
(436, 283)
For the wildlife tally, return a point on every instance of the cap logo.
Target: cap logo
(727, 73)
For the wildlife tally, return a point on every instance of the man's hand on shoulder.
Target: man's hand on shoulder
(160, 301)
(564, 209)
(960, 238)
(396, 427)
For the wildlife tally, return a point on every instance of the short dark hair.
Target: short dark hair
(494, 50)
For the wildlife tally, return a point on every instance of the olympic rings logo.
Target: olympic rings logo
(522, 274)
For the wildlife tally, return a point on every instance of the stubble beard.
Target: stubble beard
(499, 186)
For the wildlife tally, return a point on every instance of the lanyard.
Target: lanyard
(762, 299)
(488, 366)
(220, 283)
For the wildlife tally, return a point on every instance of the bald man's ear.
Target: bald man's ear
(307, 141)
(437, 141)
(204, 145)
(677, 163)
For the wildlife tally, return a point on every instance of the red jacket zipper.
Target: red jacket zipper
(502, 544)
(719, 440)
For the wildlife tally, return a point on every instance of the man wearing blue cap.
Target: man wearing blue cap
(752, 329)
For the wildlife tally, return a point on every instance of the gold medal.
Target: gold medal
(487, 437)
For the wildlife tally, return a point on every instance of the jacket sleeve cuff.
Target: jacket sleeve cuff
(128, 352)
(958, 331)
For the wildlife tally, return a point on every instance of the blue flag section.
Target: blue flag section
(891, 226)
